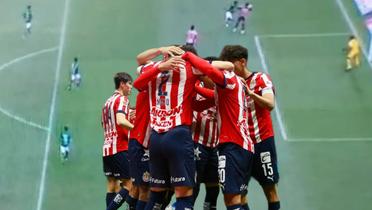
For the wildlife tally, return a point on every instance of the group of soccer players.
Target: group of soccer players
(195, 121)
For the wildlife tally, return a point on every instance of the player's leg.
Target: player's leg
(237, 24)
(62, 152)
(159, 181)
(77, 80)
(357, 60)
(265, 171)
(211, 181)
(349, 64)
(72, 80)
(228, 18)
(201, 157)
(67, 152)
(242, 31)
(180, 149)
(234, 169)
(121, 172)
(132, 197)
(111, 184)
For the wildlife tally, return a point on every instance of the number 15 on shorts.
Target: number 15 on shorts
(266, 163)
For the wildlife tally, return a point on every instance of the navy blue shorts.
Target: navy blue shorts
(234, 168)
(138, 163)
(206, 164)
(117, 165)
(172, 158)
(265, 163)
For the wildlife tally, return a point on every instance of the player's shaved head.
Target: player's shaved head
(233, 53)
(121, 77)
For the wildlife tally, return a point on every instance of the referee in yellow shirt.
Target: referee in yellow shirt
(353, 53)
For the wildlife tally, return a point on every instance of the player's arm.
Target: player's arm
(148, 55)
(122, 121)
(201, 105)
(267, 100)
(225, 65)
(145, 77)
(205, 92)
(205, 67)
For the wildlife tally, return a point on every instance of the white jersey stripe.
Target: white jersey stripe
(181, 89)
(253, 110)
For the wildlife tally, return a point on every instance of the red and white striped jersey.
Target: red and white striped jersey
(170, 97)
(231, 103)
(204, 126)
(116, 137)
(141, 130)
(259, 118)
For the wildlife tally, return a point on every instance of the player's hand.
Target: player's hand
(248, 91)
(172, 51)
(171, 63)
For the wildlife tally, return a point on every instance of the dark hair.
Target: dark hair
(352, 37)
(75, 59)
(121, 77)
(233, 53)
(65, 128)
(192, 27)
(211, 58)
(29, 6)
(189, 48)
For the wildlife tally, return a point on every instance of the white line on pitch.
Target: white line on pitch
(266, 69)
(303, 35)
(52, 106)
(353, 29)
(30, 55)
(22, 120)
(328, 139)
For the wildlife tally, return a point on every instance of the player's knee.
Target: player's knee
(144, 193)
(183, 191)
(271, 193)
(232, 199)
(111, 184)
(126, 183)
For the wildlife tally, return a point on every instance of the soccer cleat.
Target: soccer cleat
(242, 32)
(227, 25)
(234, 30)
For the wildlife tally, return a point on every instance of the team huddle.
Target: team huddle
(195, 121)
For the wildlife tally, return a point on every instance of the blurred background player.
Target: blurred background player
(243, 15)
(353, 53)
(66, 139)
(116, 125)
(261, 101)
(75, 78)
(229, 13)
(27, 17)
(191, 36)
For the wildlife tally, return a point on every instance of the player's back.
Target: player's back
(116, 137)
(171, 98)
(232, 112)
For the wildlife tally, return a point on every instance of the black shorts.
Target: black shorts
(265, 163)
(206, 164)
(116, 165)
(172, 158)
(138, 163)
(234, 168)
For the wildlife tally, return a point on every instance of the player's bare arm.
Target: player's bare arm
(122, 121)
(224, 65)
(267, 100)
(148, 55)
